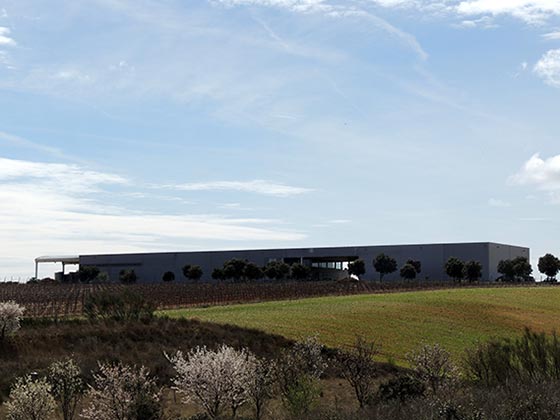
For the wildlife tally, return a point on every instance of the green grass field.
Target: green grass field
(454, 318)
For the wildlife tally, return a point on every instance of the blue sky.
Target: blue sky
(183, 125)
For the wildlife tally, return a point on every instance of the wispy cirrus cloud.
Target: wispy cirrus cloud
(257, 186)
(63, 208)
(551, 36)
(5, 39)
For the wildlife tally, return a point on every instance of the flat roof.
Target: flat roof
(66, 259)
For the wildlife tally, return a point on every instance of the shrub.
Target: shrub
(252, 271)
(301, 396)
(118, 306)
(88, 273)
(10, 317)
(128, 276)
(299, 272)
(218, 274)
(213, 379)
(357, 268)
(472, 271)
(30, 400)
(358, 368)
(401, 388)
(67, 386)
(276, 270)
(192, 272)
(432, 365)
(408, 272)
(454, 268)
(123, 392)
(168, 276)
(384, 264)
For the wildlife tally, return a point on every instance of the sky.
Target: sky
(130, 126)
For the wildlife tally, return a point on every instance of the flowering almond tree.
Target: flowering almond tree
(121, 392)
(30, 400)
(67, 385)
(10, 317)
(214, 379)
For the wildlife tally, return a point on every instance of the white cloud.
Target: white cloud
(495, 202)
(256, 186)
(5, 39)
(542, 173)
(548, 68)
(531, 11)
(62, 208)
(552, 36)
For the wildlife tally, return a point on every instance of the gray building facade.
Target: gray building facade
(330, 263)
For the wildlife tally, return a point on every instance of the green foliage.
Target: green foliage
(357, 268)
(235, 269)
(67, 386)
(192, 272)
(168, 276)
(517, 269)
(531, 358)
(218, 274)
(115, 306)
(299, 272)
(454, 268)
(88, 273)
(416, 264)
(384, 264)
(301, 396)
(550, 266)
(408, 272)
(252, 271)
(472, 271)
(128, 276)
(276, 270)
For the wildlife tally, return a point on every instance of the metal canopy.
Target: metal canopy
(64, 259)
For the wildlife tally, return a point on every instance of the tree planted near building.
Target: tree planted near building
(192, 272)
(549, 265)
(168, 276)
(517, 269)
(454, 268)
(88, 273)
(357, 268)
(416, 264)
(408, 272)
(253, 272)
(299, 272)
(218, 274)
(472, 271)
(384, 265)
(128, 276)
(276, 270)
(234, 269)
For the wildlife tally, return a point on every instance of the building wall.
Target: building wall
(150, 267)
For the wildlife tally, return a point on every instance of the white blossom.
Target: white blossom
(214, 379)
(30, 400)
(10, 317)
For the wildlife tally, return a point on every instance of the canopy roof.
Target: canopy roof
(65, 259)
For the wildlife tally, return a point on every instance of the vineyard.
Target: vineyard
(66, 300)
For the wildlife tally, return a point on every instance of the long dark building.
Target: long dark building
(327, 263)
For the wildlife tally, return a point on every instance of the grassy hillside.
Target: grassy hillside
(455, 318)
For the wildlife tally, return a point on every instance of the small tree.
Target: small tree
(67, 386)
(168, 276)
(253, 272)
(433, 366)
(235, 269)
(408, 272)
(218, 274)
(123, 392)
(472, 271)
(454, 268)
(522, 268)
(384, 264)
(260, 384)
(88, 273)
(416, 264)
(10, 317)
(550, 266)
(299, 272)
(507, 270)
(30, 400)
(358, 368)
(128, 276)
(213, 379)
(192, 272)
(276, 270)
(298, 372)
(357, 268)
